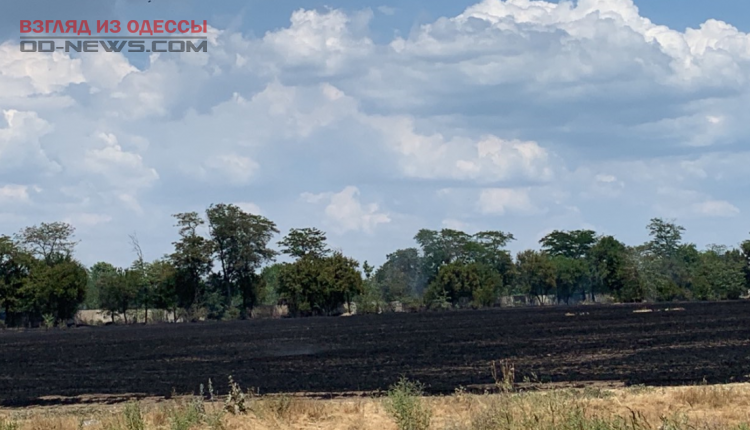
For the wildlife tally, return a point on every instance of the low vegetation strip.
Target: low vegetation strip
(634, 408)
(367, 353)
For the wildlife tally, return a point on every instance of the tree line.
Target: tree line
(223, 265)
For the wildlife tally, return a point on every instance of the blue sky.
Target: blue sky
(373, 120)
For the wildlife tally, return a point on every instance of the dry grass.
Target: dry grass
(678, 408)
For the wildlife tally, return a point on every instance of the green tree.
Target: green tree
(15, 265)
(536, 274)
(571, 244)
(270, 274)
(55, 289)
(303, 242)
(319, 285)
(191, 259)
(447, 246)
(439, 248)
(720, 275)
(48, 241)
(572, 274)
(162, 276)
(241, 245)
(459, 281)
(119, 291)
(97, 274)
(666, 237)
(401, 276)
(608, 259)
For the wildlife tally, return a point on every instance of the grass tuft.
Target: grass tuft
(405, 405)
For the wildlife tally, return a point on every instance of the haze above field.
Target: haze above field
(373, 120)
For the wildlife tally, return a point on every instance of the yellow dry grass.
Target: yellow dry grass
(697, 407)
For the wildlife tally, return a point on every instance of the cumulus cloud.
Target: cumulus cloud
(501, 201)
(20, 145)
(585, 112)
(14, 193)
(345, 212)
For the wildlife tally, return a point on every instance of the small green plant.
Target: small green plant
(231, 314)
(187, 415)
(8, 425)
(235, 403)
(404, 404)
(133, 417)
(280, 406)
(48, 321)
(504, 375)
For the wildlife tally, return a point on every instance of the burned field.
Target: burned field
(696, 342)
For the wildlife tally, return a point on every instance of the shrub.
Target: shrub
(404, 404)
(231, 314)
(505, 379)
(48, 321)
(236, 402)
(8, 425)
(133, 417)
(188, 414)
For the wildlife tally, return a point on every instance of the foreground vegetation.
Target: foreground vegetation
(636, 408)
(225, 273)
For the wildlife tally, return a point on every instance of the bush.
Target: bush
(134, 417)
(48, 321)
(8, 425)
(231, 314)
(236, 402)
(404, 404)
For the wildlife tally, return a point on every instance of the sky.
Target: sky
(374, 119)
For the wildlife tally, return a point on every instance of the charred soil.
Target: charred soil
(669, 344)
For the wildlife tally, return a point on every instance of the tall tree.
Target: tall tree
(119, 291)
(401, 276)
(459, 281)
(536, 273)
(97, 274)
(15, 265)
(571, 244)
(56, 289)
(191, 258)
(48, 241)
(318, 286)
(302, 242)
(666, 237)
(241, 245)
(608, 259)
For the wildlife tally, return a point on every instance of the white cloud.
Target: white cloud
(716, 208)
(122, 169)
(512, 107)
(344, 212)
(14, 193)
(387, 10)
(250, 207)
(501, 201)
(239, 170)
(20, 144)
(87, 219)
(488, 158)
(27, 73)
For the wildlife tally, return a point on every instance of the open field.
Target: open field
(612, 344)
(725, 407)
